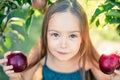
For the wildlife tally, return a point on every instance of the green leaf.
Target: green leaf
(19, 2)
(28, 21)
(2, 5)
(97, 23)
(114, 12)
(27, 1)
(115, 21)
(14, 4)
(112, 20)
(27, 24)
(50, 2)
(17, 21)
(16, 13)
(1, 49)
(31, 12)
(107, 19)
(19, 13)
(118, 29)
(7, 42)
(1, 18)
(20, 36)
(102, 8)
(115, 2)
(97, 12)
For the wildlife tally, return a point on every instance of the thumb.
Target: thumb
(117, 72)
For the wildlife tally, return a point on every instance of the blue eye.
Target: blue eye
(73, 36)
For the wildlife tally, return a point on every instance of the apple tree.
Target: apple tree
(107, 14)
(16, 17)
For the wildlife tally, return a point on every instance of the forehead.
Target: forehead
(64, 21)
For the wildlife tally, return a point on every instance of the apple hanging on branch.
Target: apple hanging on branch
(108, 63)
(39, 4)
(18, 60)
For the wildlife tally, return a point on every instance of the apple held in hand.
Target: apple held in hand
(108, 63)
(18, 60)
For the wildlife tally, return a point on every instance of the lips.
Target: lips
(62, 53)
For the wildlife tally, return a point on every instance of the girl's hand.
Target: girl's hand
(116, 75)
(8, 69)
(3, 62)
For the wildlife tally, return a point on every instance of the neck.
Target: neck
(63, 65)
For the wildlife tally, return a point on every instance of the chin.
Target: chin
(64, 58)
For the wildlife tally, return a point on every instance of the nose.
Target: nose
(64, 43)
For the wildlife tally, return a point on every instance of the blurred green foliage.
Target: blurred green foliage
(3, 75)
(20, 24)
(15, 19)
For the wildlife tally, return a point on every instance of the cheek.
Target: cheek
(75, 46)
(51, 43)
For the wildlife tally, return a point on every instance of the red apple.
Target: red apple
(39, 4)
(108, 63)
(18, 60)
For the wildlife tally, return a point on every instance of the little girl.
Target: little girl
(65, 51)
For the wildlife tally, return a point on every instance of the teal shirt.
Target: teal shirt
(49, 74)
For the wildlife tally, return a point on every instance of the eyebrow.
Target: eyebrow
(69, 31)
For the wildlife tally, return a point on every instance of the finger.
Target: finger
(117, 72)
(6, 68)
(14, 75)
(3, 61)
(9, 72)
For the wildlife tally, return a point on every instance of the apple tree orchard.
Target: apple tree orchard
(16, 18)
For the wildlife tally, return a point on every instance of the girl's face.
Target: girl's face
(63, 36)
